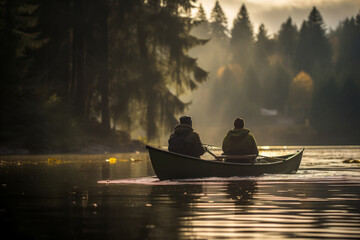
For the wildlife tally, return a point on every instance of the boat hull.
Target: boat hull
(169, 165)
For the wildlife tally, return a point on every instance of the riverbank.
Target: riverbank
(94, 148)
(115, 143)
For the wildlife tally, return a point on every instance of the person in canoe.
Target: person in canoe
(239, 141)
(184, 140)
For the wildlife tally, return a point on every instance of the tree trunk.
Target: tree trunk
(78, 77)
(104, 76)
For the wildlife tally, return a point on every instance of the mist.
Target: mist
(281, 105)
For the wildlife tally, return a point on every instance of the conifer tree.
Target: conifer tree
(216, 49)
(19, 37)
(348, 49)
(313, 50)
(201, 28)
(218, 24)
(287, 41)
(242, 40)
(157, 60)
(262, 49)
(201, 14)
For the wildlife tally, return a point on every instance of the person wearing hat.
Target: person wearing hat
(184, 140)
(239, 141)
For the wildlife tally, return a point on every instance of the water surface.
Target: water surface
(119, 197)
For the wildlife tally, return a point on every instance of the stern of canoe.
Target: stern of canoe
(168, 165)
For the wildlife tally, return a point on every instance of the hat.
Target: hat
(186, 120)
(239, 123)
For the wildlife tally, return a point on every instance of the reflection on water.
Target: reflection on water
(93, 197)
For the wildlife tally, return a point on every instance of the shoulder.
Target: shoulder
(193, 137)
(227, 135)
(251, 135)
(194, 134)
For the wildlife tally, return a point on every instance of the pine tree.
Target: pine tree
(201, 28)
(287, 41)
(19, 37)
(201, 15)
(348, 50)
(218, 24)
(242, 40)
(262, 48)
(313, 51)
(156, 69)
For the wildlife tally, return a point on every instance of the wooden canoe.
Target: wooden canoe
(169, 165)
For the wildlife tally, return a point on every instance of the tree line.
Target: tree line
(305, 75)
(74, 71)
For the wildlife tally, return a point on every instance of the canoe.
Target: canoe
(168, 165)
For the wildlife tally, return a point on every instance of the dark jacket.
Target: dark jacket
(185, 141)
(239, 142)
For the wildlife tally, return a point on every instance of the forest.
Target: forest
(78, 74)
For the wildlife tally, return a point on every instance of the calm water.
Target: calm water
(98, 197)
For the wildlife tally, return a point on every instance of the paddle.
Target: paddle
(274, 158)
(217, 157)
(212, 154)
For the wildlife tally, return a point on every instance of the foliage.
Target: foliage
(300, 95)
(73, 68)
(287, 42)
(218, 23)
(313, 52)
(242, 38)
(127, 63)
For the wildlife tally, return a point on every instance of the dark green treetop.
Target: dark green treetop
(287, 40)
(218, 23)
(242, 38)
(313, 49)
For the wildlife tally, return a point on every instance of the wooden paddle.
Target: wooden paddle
(212, 154)
(220, 158)
(223, 157)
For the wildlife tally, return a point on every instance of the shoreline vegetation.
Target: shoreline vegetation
(89, 148)
(118, 142)
(121, 142)
(83, 76)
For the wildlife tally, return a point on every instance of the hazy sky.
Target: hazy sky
(274, 12)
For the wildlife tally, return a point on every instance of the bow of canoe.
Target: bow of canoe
(169, 165)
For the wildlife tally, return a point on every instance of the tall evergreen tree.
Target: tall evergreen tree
(159, 41)
(287, 41)
(201, 28)
(218, 24)
(262, 49)
(217, 47)
(348, 49)
(313, 51)
(19, 37)
(201, 14)
(242, 39)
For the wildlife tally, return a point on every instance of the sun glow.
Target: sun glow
(274, 13)
(296, 3)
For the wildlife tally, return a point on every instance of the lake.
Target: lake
(117, 196)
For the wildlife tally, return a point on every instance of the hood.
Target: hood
(182, 130)
(238, 134)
